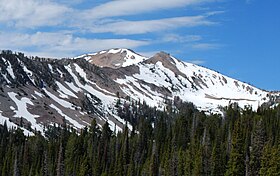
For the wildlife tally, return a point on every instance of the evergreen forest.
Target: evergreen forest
(177, 141)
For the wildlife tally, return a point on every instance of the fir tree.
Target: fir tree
(236, 164)
(258, 142)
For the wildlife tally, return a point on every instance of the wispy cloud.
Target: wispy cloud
(62, 44)
(206, 46)
(175, 38)
(197, 61)
(31, 13)
(194, 42)
(146, 26)
(131, 7)
(67, 29)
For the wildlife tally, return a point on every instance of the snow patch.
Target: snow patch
(62, 102)
(23, 112)
(50, 67)
(9, 69)
(38, 94)
(72, 121)
(132, 58)
(102, 52)
(13, 125)
(73, 87)
(64, 90)
(114, 51)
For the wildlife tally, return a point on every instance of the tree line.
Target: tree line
(177, 141)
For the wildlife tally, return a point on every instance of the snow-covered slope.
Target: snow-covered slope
(35, 92)
(207, 89)
(39, 92)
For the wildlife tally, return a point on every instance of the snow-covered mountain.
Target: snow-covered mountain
(35, 92)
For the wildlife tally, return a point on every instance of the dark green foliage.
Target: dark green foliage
(257, 145)
(236, 164)
(184, 142)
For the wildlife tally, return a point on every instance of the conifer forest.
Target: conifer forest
(177, 141)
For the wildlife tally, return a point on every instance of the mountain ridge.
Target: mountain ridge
(85, 56)
(36, 92)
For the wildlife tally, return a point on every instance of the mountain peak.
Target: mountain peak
(163, 54)
(114, 58)
(165, 58)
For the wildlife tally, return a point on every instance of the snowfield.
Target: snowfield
(214, 90)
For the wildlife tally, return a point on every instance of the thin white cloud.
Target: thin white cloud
(131, 7)
(147, 26)
(20, 18)
(62, 44)
(205, 46)
(71, 2)
(31, 13)
(197, 61)
(175, 38)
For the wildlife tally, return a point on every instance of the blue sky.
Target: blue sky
(239, 38)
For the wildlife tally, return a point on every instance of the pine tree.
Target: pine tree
(16, 171)
(181, 162)
(217, 158)
(26, 158)
(126, 150)
(197, 167)
(45, 170)
(71, 152)
(258, 142)
(104, 146)
(236, 163)
(270, 161)
(60, 161)
(154, 165)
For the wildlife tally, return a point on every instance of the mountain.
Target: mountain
(114, 58)
(36, 92)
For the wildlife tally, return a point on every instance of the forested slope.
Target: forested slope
(184, 142)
